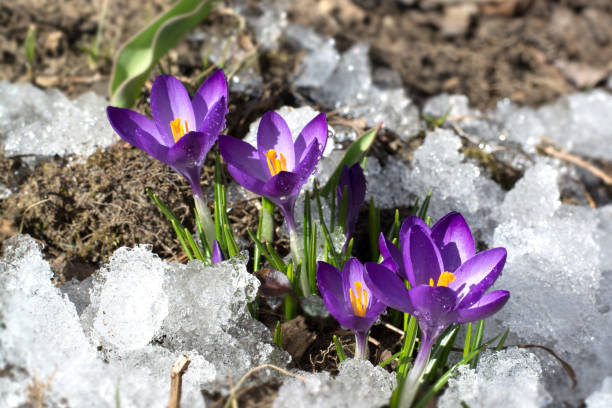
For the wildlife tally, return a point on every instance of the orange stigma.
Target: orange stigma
(275, 165)
(444, 279)
(359, 302)
(177, 129)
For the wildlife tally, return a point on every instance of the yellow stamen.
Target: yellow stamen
(275, 165)
(359, 302)
(177, 129)
(444, 279)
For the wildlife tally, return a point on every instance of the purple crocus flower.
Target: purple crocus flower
(353, 182)
(182, 130)
(448, 281)
(349, 299)
(217, 255)
(278, 167)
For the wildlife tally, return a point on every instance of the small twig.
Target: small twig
(393, 328)
(176, 380)
(28, 209)
(578, 161)
(233, 393)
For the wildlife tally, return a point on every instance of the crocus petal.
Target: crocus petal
(213, 90)
(169, 101)
(489, 304)
(409, 222)
(331, 286)
(137, 130)
(453, 237)
(477, 274)
(422, 260)
(316, 129)
(353, 180)
(284, 185)
(433, 305)
(274, 134)
(392, 256)
(191, 149)
(214, 121)
(242, 156)
(352, 272)
(388, 287)
(308, 163)
(217, 255)
(355, 323)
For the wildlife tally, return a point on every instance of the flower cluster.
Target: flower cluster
(435, 275)
(183, 130)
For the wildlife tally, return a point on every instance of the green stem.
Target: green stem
(206, 220)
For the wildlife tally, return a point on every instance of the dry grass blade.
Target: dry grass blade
(231, 399)
(176, 380)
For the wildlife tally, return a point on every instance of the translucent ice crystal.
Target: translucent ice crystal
(46, 123)
(358, 384)
(439, 165)
(581, 122)
(136, 278)
(351, 88)
(43, 345)
(554, 274)
(603, 397)
(181, 307)
(510, 378)
(267, 19)
(321, 61)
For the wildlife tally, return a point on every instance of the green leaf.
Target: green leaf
(354, 153)
(502, 340)
(339, 349)
(425, 206)
(477, 340)
(29, 45)
(278, 334)
(139, 55)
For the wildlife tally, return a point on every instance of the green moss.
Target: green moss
(504, 174)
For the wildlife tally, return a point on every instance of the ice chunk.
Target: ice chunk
(358, 384)
(46, 123)
(320, 63)
(510, 378)
(457, 185)
(603, 397)
(181, 307)
(452, 106)
(351, 89)
(130, 303)
(267, 19)
(581, 122)
(554, 275)
(43, 346)
(5, 192)
(604, 236)
(41, 340)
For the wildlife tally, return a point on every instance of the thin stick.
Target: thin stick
(28, 209)
(232, 395)
(571, 158)
(176, 380)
